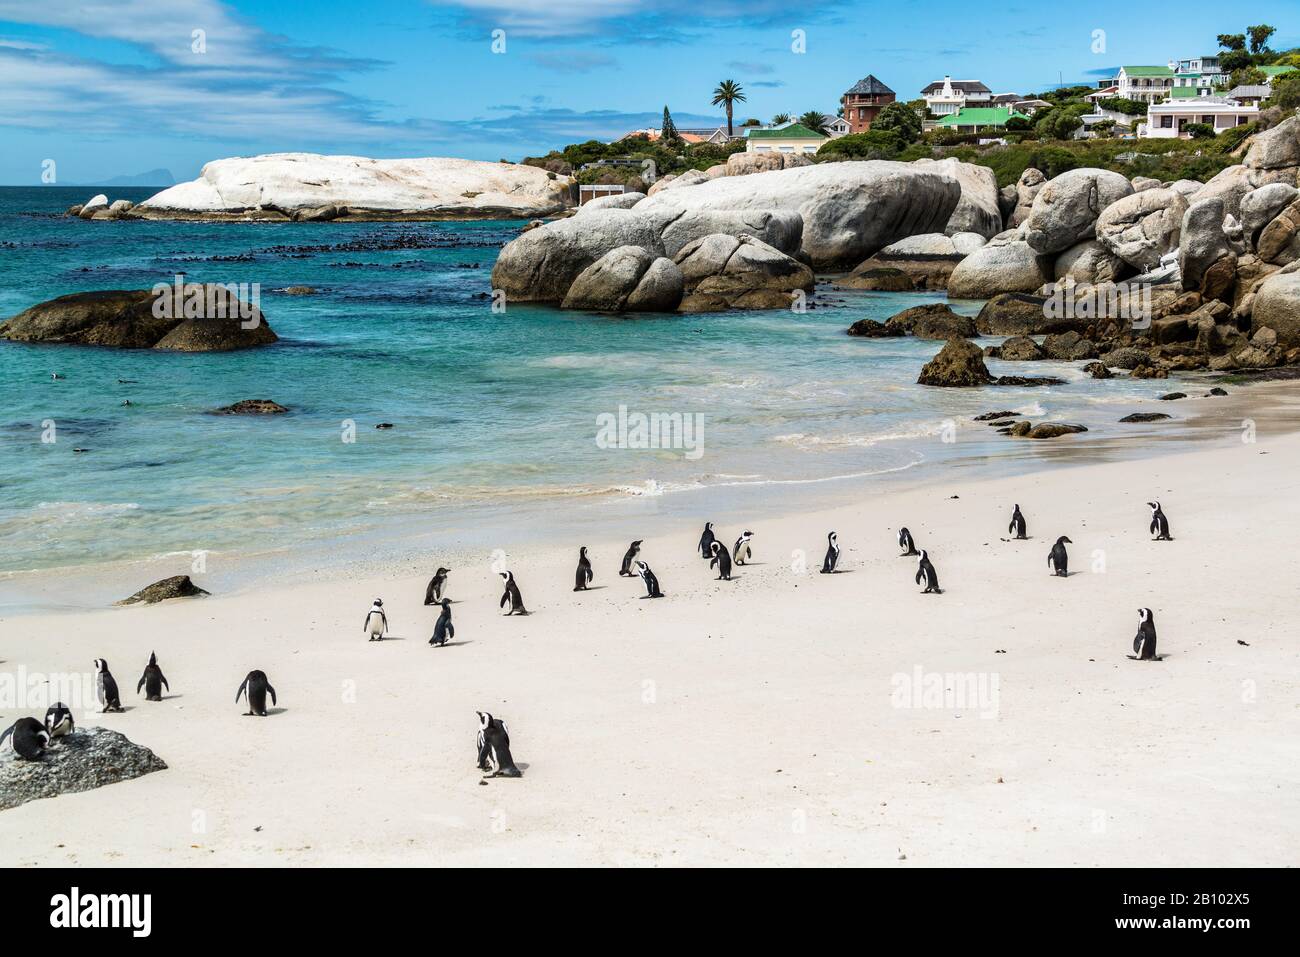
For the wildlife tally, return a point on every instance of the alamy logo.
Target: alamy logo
(211, 300)
(946, 691)
(103, 910)
(651, 430)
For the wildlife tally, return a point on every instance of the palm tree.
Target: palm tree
(780, 118)
(814, 120)
(728, 94)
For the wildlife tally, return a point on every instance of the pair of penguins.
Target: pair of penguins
(718, 555)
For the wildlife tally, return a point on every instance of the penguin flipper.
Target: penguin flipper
(505, 597)
(141, 684)
(164, 681)
(240, 693)
(272, 691)
(1137, 644)
(451, 630)
(7, 733)
(920, 575)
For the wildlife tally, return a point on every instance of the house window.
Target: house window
(1208, 119)
(1166, 122)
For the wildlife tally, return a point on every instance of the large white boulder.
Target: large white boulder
(1065, 210)
(977, 211)
(1142, 227)
(1005, 265)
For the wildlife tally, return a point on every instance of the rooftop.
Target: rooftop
(868, 85)
(1259, 91)
(1147, 70)
(795, 131)
(1275, 70)
(981, 116)
(965, 86)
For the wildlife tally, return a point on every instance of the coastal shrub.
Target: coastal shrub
(873, 144)
(901, 119)
(1199, 131)
(1230, 139)
(1286, 91)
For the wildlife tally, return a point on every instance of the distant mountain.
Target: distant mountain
(155, 177)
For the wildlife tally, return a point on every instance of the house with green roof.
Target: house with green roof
(1275, 71)
(793, 138)
(1146, 84)
(972, 119)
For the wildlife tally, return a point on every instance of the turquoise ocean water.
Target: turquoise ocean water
(494, 414)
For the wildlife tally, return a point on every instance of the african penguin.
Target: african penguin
(583, 576)
(106, 688)
(925, 573)
(743, 552)
(1017, 526)
(443, 628)
(633, 550)
(58, 720)
(152, 681)
(256, 686)
(905, 542)
(433, 594)
(1144, 642)
(722, 560)
(511, 595)
(494, 747)
(1159, 524)
(706, 541)
(376, 623)
(651, 582)
(832, 555)
(27, 738)
(1058, 559)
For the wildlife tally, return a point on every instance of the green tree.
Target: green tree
(780, 118)
(1286, 91)
(728, 93)
(1235, 60)
(1259, 37)
(1250, 76)
(814, 120)
(669, 130)
(901, 119)
(1232, 41)
(752, 121)
(1199, 131)
(1017, 124)
(873, 144)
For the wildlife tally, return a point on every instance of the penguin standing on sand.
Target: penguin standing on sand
(511, 595)
(153, 680)
(706, 541)
(443, 628)
(906, 544)
(106, 688)
(1144, 643)
(832, 555)
(494, 747)
(722, 560)
(433, 594)
(58, 720)
(376, 623)
(1017, 526)
(583, 576)
(27, 738)
(256, 686)
(652, 583)
(742, 553)
(633, 550)
(1058, 559)
(1159, 524)
(925, 573)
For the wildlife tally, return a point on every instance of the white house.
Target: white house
(1168, 120)
(948, 96)
(794, 138)
(1146, 84)
(836, 128)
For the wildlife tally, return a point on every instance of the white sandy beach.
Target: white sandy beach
(750, 722)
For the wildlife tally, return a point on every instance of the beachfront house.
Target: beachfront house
(794, 138)
(837, 127)
(947, 97)
(975, 119)
(1146, 84)
(863, 101)
(1170, 119)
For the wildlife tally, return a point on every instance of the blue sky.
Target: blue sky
(115, 87)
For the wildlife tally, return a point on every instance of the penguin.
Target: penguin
(633, 550)
(106, 688)
(256, 686)
(1144, 642)
(1058, 559)
(905, 542)
(511, 594)
(832, 555)
(494, 747)
(443, 628)
(583, 576)
(1159, 524)
(706, 541)
(376, 623)
(1017, 526)
(925, 573)
(742, 553)
(27, 738)
(58, 720)
(153, 680)
(433, 594)
(651, 583)
(722, 560)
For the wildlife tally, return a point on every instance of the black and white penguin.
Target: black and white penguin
(153, 680)
(494, 747)
(256, 686)
(722, 560)
(706, 541)
(443, 628)
(27, 738)
(511, 595)
(376, 623)
(925, 573)
(832, 555)
(1017, 526)
(1159, 524)
(1144, 643)
(1058, 559)
(433, 594)
(58, 720)
(106, 688)
(583, 576)
(651, 583)
(633, 550)
(743, 552)
(905, 543)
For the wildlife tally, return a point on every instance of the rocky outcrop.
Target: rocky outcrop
(1020, 349)
(1274, 155)
(308, 186)
(81, 760)
(627, 279)
(978, 208)
(928, 259)
(92, 206)
(1203, 241)
(1277, 307)
(1052, 430)
(959, 363)
(1027, 188)
(252, 407)
(1261, 206)
(744, 164)
(142, 319)
(1090, 262)
(932, 321)
(1069, 347)
(1018, 314)
(1142, 227)
(1001, 266)
(1279, 241)
(877, 280)
(729, 272)
(874, 329)
(178, 586)
(849, 210)
(692, 177)
(1229, 186)
(1066, 209)
(617, 201)
(1146, 417)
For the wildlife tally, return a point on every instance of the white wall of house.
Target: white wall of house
(1168, 120)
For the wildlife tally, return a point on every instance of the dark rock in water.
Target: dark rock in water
(1145, 417)
(1050, 430)
(1021, 314)
(1020, 349)
(384, 425)
(959, 363)
(1097, 370)
(83, 760)
(139, 319)
(1020, 428)
(871, 329)
(882, 279)
(252, 407)
(1028, 380)
(1126, 357)
(1216, 391)
(297, 290)
(989, 416)
(1170, 396)
(933, 321)
(178, 586)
